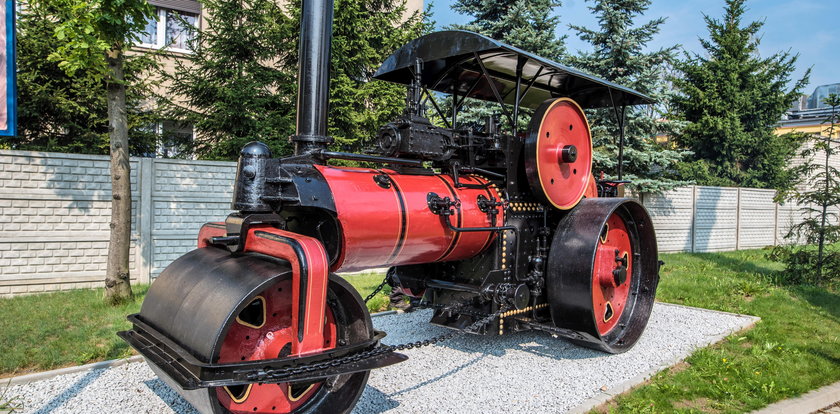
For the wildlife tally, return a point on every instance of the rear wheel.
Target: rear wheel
(603, 272)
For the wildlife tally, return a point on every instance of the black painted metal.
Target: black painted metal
(313, 76)
(195, 300)
(251, 172)
(369, 158)
(190, 373)
(570, 267)
(449, 64)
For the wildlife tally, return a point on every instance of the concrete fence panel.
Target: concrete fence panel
(55, 213)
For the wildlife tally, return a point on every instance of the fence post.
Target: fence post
(775, 223)
(693, 217)
(144, 218)
(738, 220)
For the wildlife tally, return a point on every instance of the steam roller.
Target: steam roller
(496, 229)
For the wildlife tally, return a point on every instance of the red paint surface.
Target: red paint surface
(394, 226)
(604, 289)
(318, 277)
(208, 231)
(591, 188)
(245, 343)
(564, 183)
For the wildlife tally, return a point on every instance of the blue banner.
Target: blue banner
(8, 90)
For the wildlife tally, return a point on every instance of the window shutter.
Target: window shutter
(189, 6)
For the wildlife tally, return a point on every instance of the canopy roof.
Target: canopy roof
(453, 58)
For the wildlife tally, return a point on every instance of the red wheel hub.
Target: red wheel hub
(611, 276)
(563, 153)
(263, 330)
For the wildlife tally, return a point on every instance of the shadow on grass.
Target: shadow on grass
(821, 298)
(736, 264)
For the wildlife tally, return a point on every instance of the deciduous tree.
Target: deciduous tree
(817, 192)
(94, 36)
(62, 113)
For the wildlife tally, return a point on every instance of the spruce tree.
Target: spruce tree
(618, 54)
(527, 24)
(365, 33)
(731, 99)
(62, 113)
(240, 82)
(234, 88)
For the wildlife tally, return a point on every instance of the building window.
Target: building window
(169, 28)
(175, 140)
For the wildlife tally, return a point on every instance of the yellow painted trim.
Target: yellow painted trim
(241, 322)
(293, 399)
(610, 306)
(539, 136)
(244, 396)
(606, 233)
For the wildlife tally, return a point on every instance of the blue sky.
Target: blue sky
(810, 28)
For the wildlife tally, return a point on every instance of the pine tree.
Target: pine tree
(619, 55)
(731, 99)
(62, 113)
(365, 33)
(240, 83)
(527, 24)
(234, 89)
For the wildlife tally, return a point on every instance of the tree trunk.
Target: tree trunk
(117, 284)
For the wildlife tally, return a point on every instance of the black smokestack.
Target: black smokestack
(313, 76)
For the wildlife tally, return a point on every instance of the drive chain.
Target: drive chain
(377, 290)
(271, 375)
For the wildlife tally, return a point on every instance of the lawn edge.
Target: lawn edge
(811, 401)
(605, 396)
(43, 375)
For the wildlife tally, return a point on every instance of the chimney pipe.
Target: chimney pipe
(313, 77)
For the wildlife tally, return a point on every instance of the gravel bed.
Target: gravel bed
(528, 371)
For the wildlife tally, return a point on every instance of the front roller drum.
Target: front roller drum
(227, 309)
(603, 272)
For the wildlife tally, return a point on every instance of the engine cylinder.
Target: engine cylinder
(386, 221)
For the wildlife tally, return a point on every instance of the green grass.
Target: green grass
(53, 330)
(365, 283)
(795, 347)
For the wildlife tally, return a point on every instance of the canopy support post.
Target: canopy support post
(431, 99)
(519, 65)
(619, 118)
(495, 90)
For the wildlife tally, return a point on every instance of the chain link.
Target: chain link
(377, 290)
(271, 374)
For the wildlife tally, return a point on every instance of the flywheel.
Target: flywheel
(558, 153)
